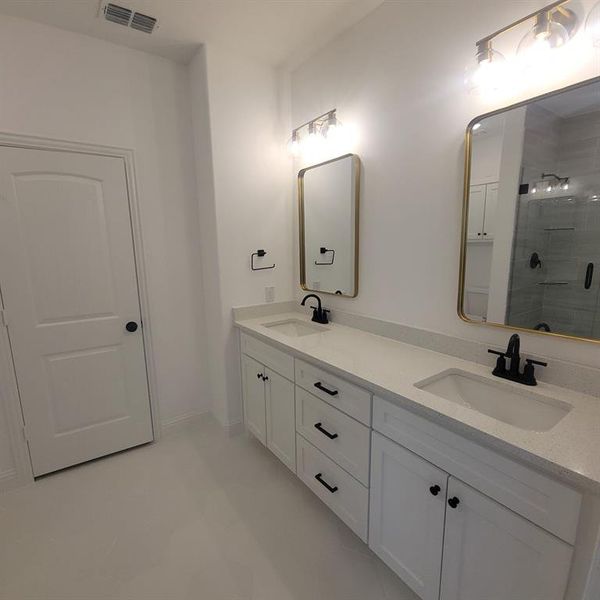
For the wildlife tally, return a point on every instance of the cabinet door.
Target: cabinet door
(406, 526)
(254, 398)
(492, 553)
(476, 212)
(489, 218)
(281, 418)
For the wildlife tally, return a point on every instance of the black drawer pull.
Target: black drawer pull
(589, 275)
(321, 387)
(320, 479)
(331, 436)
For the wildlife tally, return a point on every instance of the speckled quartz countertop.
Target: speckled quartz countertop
(570, 450)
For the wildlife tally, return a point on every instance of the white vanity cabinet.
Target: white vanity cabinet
(491, 552)
(269, 404)
(482, 211)
(408, 506)
(454, 519)
(448, 540)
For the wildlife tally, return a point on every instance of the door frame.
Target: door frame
(9, 395)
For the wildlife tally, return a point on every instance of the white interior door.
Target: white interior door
(68, 278)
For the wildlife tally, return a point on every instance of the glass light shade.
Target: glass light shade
(536, 47)
(592, 25)
(487, 75)
(294, 145)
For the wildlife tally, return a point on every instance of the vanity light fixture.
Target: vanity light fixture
(592, 25)
(314, 132)
(554, 25)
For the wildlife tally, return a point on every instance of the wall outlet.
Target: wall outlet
(270, 294)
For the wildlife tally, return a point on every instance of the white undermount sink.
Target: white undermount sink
(521, 408)
(295, 327)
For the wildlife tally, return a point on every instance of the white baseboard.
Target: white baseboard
(234, 429)
(181, 421)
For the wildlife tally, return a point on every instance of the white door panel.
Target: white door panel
(254, 398)
(492, 553)
(281, 418)
(67, 271)
(407, 509)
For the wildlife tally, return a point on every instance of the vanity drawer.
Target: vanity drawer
(346, 497)
(319, 422)
(349, 398)
(277, 360)
(550, 504)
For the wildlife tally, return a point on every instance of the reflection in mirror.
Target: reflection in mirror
(531, 242)
(329, 201)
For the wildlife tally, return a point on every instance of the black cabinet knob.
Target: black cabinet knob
(435, 490)
(131, 326)
(454, 502)
(258, 375)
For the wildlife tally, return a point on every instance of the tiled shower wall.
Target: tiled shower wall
(562, 227)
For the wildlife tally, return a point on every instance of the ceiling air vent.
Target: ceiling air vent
(143, 22)
(125, 16)
(117, 14)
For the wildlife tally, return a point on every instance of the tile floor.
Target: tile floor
(198, 515)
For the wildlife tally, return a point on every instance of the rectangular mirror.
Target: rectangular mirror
(531, 218)
(328, 195)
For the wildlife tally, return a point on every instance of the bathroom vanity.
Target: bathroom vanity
(466, 486)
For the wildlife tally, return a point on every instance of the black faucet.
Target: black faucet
(513, 352)
(319, 313)
(513, 373)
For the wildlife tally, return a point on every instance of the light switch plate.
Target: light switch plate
(270, 294)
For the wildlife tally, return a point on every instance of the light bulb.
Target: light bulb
(488, 75)
(565, 186)
(330, 128)
(592, 25)
(549, 188)
(534, 189)
(546, 35)
(294, 144)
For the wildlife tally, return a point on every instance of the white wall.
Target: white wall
(63, 85)
(397, 77)
(243, 199)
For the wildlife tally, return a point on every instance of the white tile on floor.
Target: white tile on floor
(198, 515)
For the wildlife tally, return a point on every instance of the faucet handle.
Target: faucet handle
(540, 363)
(529, 371)
(497, 352)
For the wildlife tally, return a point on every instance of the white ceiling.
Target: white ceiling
(576, 102)
(273, 31)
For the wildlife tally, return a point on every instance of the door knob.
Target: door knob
(435, 490)
(454, 502)
(131, 326)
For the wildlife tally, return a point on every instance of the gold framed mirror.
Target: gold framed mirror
(328, 202)
(530, 247)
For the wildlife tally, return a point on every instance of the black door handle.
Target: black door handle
(331, 436)
(332, 489)
(435, 490)
(131, 326)
(321, 387)
(454, 502)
